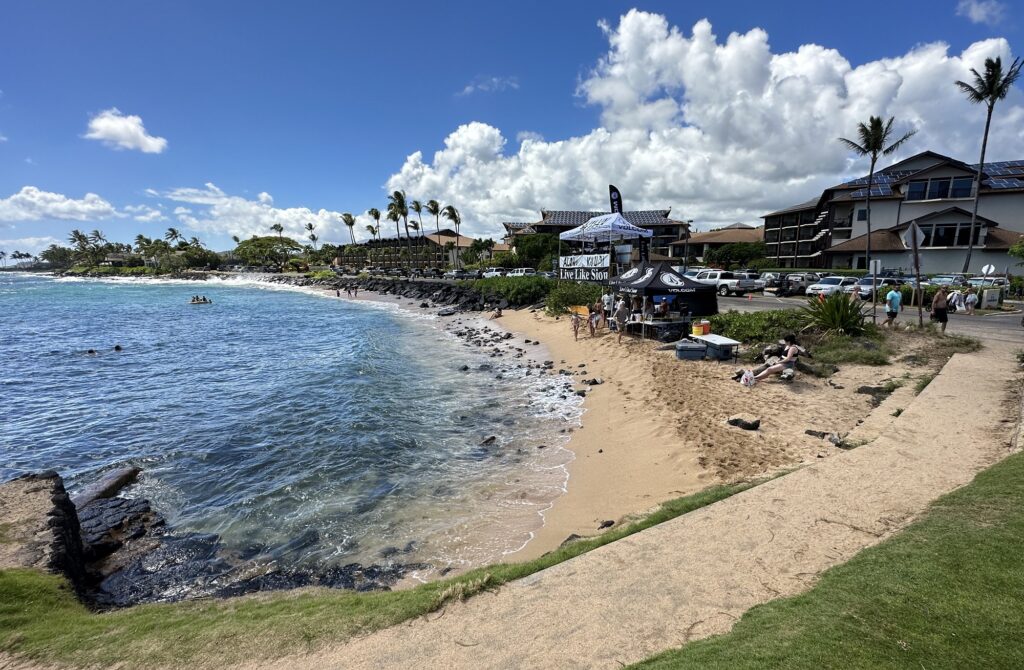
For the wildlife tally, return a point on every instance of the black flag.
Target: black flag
(616, 199)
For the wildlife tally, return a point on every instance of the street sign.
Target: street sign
(876, 267)
(988, 269)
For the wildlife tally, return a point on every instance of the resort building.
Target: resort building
(666, 230)
(929, 189)
(700, 244)
(437, 249)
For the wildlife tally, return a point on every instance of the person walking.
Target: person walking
(893, 305)
(971, 301)
(607, 301)
(940, 308)
(621, 316)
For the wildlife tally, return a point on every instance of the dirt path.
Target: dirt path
(694, 576)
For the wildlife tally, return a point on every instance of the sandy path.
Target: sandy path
(694, 576)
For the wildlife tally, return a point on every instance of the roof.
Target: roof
(571, 219)
(881, 240)
(997, 239)
(810, 204)
(999, 176)
(461, 241)
(727, 235)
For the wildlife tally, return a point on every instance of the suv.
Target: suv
(457, 274)
(493, 272)
(830, 285)
(863, 285)
(759, 283)
(726, 282)
(521, 272)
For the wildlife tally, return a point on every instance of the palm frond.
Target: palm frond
(853, 146)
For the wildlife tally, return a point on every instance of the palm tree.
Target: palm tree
(393, 215)
(173, 235)
(279, 229)
(350, 221)
(417, 207)
(374, 214)
(3, 257)
(452, 214)
(397, 204)
(194, 242)
(987, 89)
(434, 207)
(97, 237)
(874, 142)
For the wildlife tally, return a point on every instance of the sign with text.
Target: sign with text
(585, 267)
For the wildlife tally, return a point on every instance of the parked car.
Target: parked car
(949, 280)
(770, 279)
(863, 285)
(547, 275)
(977, 282)
(759, 283)
(726, 282)
(457, 274)
(795, 283)
(493, 272)
(830, 285)
(521, 272)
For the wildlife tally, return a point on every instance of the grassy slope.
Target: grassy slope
(41, 619)
(947, 592)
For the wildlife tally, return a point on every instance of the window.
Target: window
(938, 188)
(917, 190)
(962, 187)
(862, 215)
(964, 233)
(944, 235)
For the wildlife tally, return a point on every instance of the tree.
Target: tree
(173, 235)
(267, 250)
(874, 142)
(394, 216)
(398, 205)
(433, 207)
(452, 214)
(279, 229)
(374, 214)
(3, 257)
(986, 89)
(350, 221)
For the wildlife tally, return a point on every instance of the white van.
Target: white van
(521, 272)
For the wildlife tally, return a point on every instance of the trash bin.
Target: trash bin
(690, 351)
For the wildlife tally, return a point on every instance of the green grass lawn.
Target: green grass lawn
(947, 592)
(40, 618)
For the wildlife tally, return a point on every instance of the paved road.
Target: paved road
(1003, 327)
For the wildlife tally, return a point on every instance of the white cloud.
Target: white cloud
(32, 245)
(144, 213)
(214, 211)
(528, 136)
(3, 138)
(990, 12)
(490, 85)
(120, 131)
(33, 204)
(721, 131)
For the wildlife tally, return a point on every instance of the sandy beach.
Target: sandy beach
(656, 428)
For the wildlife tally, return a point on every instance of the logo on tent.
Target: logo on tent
(629, 274)
(647, 275)
(671, 280)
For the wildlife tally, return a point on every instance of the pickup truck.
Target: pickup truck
(726, 282)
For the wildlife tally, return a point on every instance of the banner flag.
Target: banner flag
(616, 199)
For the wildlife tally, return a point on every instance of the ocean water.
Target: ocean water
(274, 412)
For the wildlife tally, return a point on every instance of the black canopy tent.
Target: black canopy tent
(651, 279)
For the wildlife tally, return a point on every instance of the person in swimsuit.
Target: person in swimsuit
(940, 308)
(787, 363)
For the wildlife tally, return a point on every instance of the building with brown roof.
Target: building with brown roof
(701, 243)
(933, 190)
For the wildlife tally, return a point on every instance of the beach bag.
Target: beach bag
(748, 378)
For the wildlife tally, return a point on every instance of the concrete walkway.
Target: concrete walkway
(696, 575)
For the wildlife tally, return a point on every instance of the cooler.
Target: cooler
(690, 351)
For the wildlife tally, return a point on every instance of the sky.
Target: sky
(223, 118)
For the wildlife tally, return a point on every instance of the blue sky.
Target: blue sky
(319, 104)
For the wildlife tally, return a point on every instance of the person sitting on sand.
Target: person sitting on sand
(787, 363)
(496, 314)
(575, 320)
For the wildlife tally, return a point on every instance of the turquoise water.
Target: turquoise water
(275, 411)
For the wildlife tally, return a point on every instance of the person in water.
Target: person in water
(118, 347)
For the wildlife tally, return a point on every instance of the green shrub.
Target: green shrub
(839, 349)
(321, 274)
(835, 315)
(566, 294)
(748, 327)
(517, 290)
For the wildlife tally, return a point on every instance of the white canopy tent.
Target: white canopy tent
(605, 228)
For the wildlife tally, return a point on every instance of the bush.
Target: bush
(835, 315)
(750, 327)
(517, 290)
(321, 274)
(566, 294)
